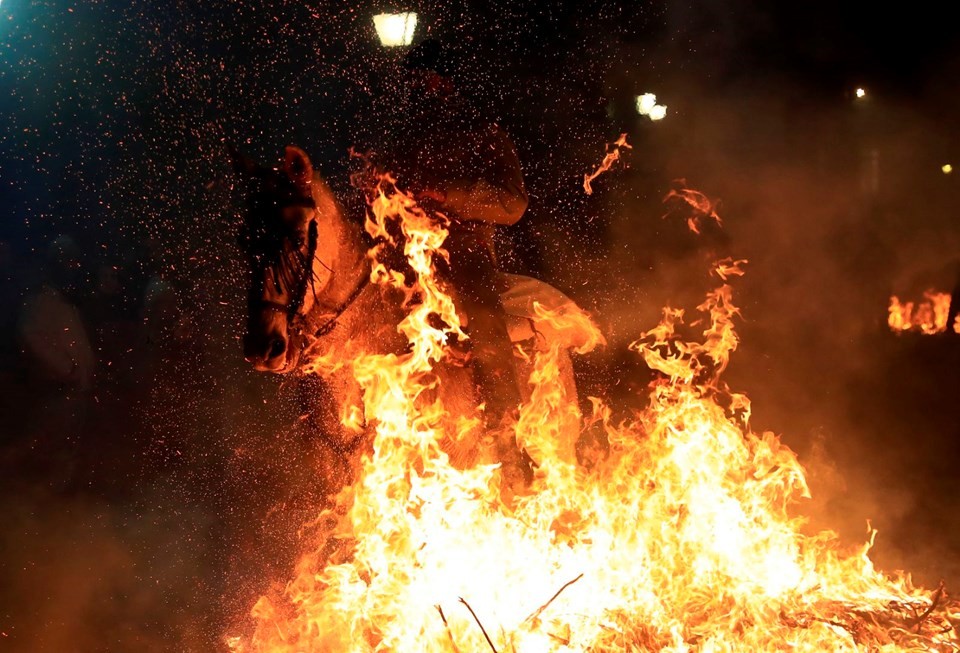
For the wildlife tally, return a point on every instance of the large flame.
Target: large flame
(678, 538)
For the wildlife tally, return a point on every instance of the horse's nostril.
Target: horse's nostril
(277, 347)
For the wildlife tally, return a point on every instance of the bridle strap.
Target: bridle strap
(329, 325)
(341, 308)
(292, 310)
(337, 313)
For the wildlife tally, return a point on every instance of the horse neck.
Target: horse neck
(340, 247)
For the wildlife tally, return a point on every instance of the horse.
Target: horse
(311, 299)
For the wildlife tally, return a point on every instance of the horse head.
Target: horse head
(290, 239)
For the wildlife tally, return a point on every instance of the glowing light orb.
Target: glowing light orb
(947, 168)
(395, 29)
(861, 93)
(647, 106)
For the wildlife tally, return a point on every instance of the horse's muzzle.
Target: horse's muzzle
(266, 354)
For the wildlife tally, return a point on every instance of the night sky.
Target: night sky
(125, 530)
(108, 105)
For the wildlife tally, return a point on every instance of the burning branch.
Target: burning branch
(543, 607)
(613, 155)
(482, 629)
(934, 603)
(886, 625)
(456, 648)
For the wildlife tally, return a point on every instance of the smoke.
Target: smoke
(836, 205)
(81, 574)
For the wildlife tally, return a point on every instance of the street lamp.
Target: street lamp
(647, 106)
(395, 29)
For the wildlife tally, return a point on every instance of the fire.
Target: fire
(692, 204)
(928, 316)
(612, 156)
(679, 538)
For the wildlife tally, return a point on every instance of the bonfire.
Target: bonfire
(680, 536)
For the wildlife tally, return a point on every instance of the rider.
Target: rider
(467, 168)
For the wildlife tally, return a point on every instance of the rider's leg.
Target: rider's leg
(476, 280)
(475, 277)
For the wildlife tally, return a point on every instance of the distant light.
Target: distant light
(658, 112)
(395, 29)
(647, 106)
(861, 93)
(947, 168)
(645, 103)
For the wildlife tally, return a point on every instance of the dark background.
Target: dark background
(128, 511)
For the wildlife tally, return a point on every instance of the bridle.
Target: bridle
(296, 319)
(338, 312)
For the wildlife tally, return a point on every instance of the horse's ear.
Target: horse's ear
(242, 164)
(297, 166)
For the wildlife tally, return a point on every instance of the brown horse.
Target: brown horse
(312, 306)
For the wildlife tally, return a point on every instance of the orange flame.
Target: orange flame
(928, 316)
(679, 539)
(696, 206)
(613, 155)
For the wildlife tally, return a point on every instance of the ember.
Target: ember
(680, 539)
